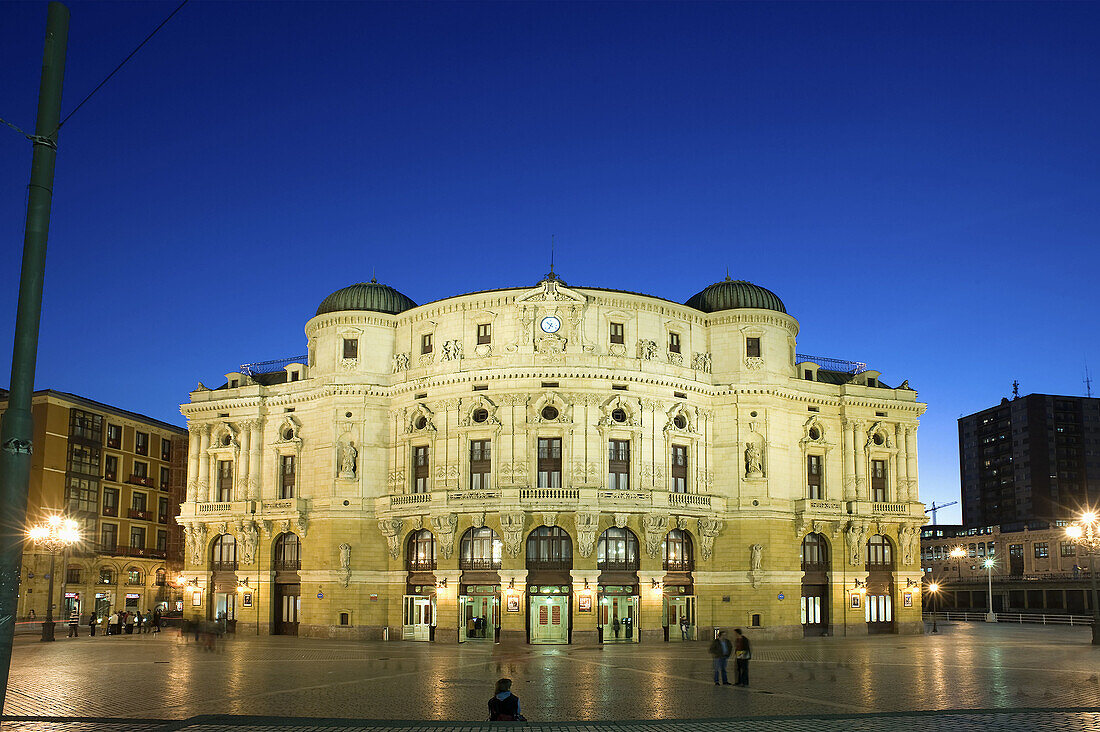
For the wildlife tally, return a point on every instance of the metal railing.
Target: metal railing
(833, 364)
(287, 565)
(550, 564)
(420, 565)
(1019, 618)
(486, 565)
(268, 367)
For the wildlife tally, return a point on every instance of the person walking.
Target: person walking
(74, 624)
(742, 654)
(156, 621)
(91, 624)
(684, 627)
(129, 623)
(114, 626)
(720, 650)
(504, 705)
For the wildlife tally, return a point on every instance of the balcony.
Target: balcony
(479, 565)
(420, 565)
(897, 509)
(109, 549)
(410, 499)
(137, 513)
(818, 506)
(618, 565)
(549, 494)
(144, 480)
(162, 518)
(286, 565)
(550, 564)
(134, 583)
(688, 499)
(110, 510)
(223, 566)
(228, 507)
(679, 565)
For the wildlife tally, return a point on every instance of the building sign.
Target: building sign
(856, 600)
(781, 596)
(513, 602)
(373, 597)
(246, 599)
(133, 596)
(196, 598)
(584, 603)
(72, 595)
(179, 606)
(907, 599)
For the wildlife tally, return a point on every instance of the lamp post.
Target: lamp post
(933, 588)
(55, 536)
(989, 563)
(1086, 535)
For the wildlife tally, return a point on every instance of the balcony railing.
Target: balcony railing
(110, 475)
(623, 565)
(478, 565)
(679, 565)
(134, 583)
(287, 565)
(144, 480)
(550, 564)
(223, 566)
(549, 494)
(137, 513)
(162, 518)
(410, 499)
(420, 565)
(688, 499)
(891, 508)
(108, 549)
(110, 510)
(815, 567)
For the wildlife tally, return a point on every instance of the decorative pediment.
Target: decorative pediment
(481, 411)
(551, 290)
(551, 407)
(680, 418)
(419, 419)
(289, 430)
(617, 411)
(881, 436)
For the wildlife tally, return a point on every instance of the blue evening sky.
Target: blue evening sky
(918, 182)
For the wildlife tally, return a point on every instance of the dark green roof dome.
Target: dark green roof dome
(732, 294)
(366, 296)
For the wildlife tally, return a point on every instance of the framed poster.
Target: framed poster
(513, 603)
(246, 599)
(907, 599)
(857, 600)
(584, 603)
(196, 598)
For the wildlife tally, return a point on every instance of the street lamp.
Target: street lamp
(957, 554)
(933, 588)
(1086, 535)
(989, 563)
(55, 536)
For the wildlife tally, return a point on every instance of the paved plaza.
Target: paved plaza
(1011, 677)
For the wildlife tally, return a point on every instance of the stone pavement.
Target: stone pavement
(1047, 676)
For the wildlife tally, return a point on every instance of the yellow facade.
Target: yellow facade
(579, 409)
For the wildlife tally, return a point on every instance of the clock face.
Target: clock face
(550, 324)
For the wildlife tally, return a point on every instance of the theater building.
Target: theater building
(553, 465)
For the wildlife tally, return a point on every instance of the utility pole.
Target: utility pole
(17, 431)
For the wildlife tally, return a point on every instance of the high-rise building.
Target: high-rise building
(1033, 458)
(120, 476)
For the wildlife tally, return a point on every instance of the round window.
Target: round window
(480, 415)
(877, 439)
(618, 415)
(288, 434)
(752, 414)
(549, 412)
(815, 434)
(227, 440)
(680, 421)
(421, 422)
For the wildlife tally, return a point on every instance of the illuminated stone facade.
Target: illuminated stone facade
(570, 464)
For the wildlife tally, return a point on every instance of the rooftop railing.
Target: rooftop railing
(268, 367)
(833, 364)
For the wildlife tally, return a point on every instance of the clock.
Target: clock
(550, 324)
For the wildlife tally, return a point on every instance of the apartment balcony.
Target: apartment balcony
(137, 513)
(110, 510)
(144, 480)
(286, 565)
(479, 565)
(420, 565)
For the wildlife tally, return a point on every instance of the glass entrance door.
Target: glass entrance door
(478, 617)
(72, 602)
(680, 617)
(418, 617)
(814, 610)
(549, 619)
(288, 607)
(619, 618)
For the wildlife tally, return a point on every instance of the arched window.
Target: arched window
(133, 576)
(162, 577)
(106, 576)
(420, 556)
(481, 549)
(617, 550)
(223, 555)
(549, 547)
(815, 553)
(679, 554)
(880, 554)
(288, 557)
(972, 551)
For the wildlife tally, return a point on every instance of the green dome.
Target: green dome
(732, 294)
(366, 296)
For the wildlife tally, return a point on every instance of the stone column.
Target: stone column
(255, 463)
(859, 440)
(849, 462)
(901, 470)
(911, 460)
(204, 463)
(193, 438)
(242, 462)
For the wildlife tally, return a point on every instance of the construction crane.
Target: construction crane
(934, 507)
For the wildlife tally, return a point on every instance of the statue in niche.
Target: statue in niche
(348, 453)
(757, 557)
(753, 465)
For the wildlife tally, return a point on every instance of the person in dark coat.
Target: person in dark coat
(720, 650)
(742, 654)
(504, 706)
(92, 619)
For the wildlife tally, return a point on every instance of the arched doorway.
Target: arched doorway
(222, 603)
(617, 559)
(286, 563)
(479, 556)
(418, 612)
(679, 592)
(549, 585)
(878, 609)
(815, 586)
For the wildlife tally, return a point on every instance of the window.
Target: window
(161, 576)
(114, 436)
(287, 477)
(420, 552)
(108, 537)
(133, 576)
(165, 478)
(72, 576)
(971, 551)
(1016, 550)
(420, 469)
(138, 501)
(141, 443)
(484, 333)
(141, 470)
(879, 552)
(480, 549)
(162, 510)
(752, 347)
(618, 465)
(162, 540)
(165, 449)
(110, 502)
(617, 335)
(879, 609)
(288, 556)
(106, 577)
(137, 537)
(549, 466)
(549, 547)
(426, 343)
(808, 374)
(981, 548)
(1041, 550)
(679, 553)
(815, 553)
(674, 342)
(679, 468)
(81, 495)
(351, 348)
(85, 426)
(480, 462)
(1067, 549)
(813, 477)
(225, 481)
(84, 460)
(878, 481)
(617, 550)
(224, 553)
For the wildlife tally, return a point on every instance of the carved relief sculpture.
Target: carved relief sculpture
(452, 350)
(756, 562)
(400, 362)
(587, 522)
(855, 534)
(511, 523)
(647, 349)
(701, 362)
(247, 538)
(753, 465)
(445, 527)
(345, 564)
(391, 529)
(709, 528)
(655, 527)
